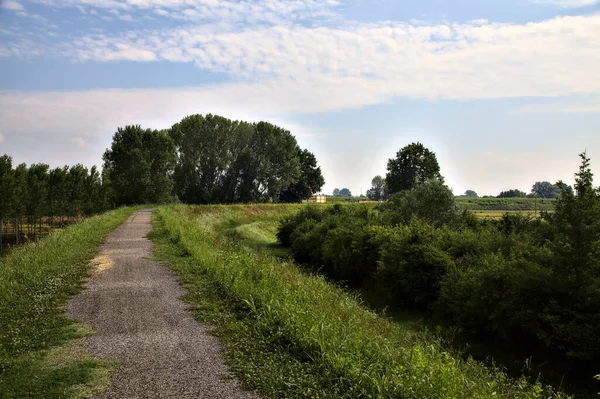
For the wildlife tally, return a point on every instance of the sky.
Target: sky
(505, 92)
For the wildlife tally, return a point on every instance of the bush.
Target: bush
(431, 201)
(412, 265)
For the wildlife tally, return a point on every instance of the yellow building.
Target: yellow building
(319, 199)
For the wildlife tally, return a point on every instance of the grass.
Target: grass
(506, 204)
(289, 334)
(41, 350)
(497, 214)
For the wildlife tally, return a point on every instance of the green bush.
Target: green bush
(412, 266)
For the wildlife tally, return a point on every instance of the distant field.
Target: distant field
(506, 204)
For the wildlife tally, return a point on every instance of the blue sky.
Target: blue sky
(506, 93)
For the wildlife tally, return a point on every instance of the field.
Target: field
(293, 334)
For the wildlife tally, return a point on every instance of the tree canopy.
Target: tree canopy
(414, 164)
(378, 190)
(545, 189)
(309, 182)
(139, 165)
(511, 194)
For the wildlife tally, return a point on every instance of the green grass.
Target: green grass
(41, 350)
(506, 204)
(289, 334)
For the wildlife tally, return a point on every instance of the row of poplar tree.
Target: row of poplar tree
(199, 160)
(61, 195)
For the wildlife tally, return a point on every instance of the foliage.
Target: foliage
(431, 201)
(344, 192)
(139, 164)
(378, 190)
(336, 192)
(471, 193)
(225, 161)
(545, 189)
(413, 165)
(511, 194)
(310, 181)
(527, 286)
(34, 192)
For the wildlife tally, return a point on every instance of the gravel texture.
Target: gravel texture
(133, 305)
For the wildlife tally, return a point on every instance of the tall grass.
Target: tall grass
(356, 352)
(36, 355)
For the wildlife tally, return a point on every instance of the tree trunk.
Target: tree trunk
(17, 231)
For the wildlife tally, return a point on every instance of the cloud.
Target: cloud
(79, 141)
(562, 108)
(250, 11)
(12, 5)
(1, 138)
(566, 3)
(555, 57)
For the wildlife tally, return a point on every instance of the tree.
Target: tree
(37, 186)
(336, 192)
(413, 165)
(139, 165)
(7, 190)
(471, 193)
(344, 192)
(432, 201)
(545, 189)
(310, 181)
(219, 160)
(512, 194)
(378, 190)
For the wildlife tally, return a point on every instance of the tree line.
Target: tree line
(30, 193)
(210, 159)
(199, 160)
(529, 287)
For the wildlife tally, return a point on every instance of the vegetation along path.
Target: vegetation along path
(133, 305)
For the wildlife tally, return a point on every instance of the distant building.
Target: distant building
(319, 199)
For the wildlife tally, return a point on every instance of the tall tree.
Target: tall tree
(378, 190)
(336, 192)
(139, 165)
(345, 192)
(7, 190)
(545, 189)
(37, 187)
(220, 160)
(471, 193)
(310, 181)
(414, 164)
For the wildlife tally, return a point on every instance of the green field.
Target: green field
(292, 334)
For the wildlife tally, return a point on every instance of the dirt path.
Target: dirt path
(133, 305)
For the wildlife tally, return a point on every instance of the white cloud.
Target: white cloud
(556, 57)
(12, 5)
(566, 3)
(79, 141)
(562, 108)
(1, 138)
(271, 11)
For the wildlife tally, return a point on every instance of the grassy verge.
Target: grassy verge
(289, 334)
(41, 352)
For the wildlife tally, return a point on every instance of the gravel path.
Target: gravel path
(133, 305)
